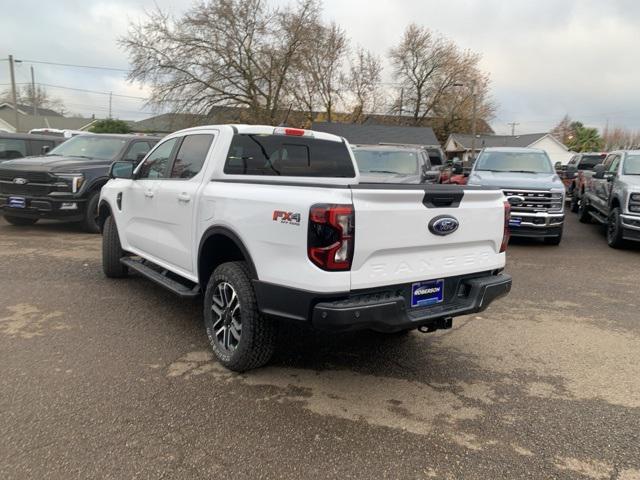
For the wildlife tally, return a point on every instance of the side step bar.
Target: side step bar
(162, 279)
(598, 216)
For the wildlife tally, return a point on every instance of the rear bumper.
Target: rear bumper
(60, 207)
(385, 310)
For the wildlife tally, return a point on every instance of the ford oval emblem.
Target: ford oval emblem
(443, 225)
(515, 200)
(20, 181)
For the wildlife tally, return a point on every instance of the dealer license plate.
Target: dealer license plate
(427, 293)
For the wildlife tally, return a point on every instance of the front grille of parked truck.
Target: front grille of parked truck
(534, 201)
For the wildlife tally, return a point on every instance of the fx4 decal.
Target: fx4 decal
(290, 218)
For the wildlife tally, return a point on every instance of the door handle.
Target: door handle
(184, 197)
(148, 193)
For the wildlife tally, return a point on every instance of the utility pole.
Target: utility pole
(34, 98)
(110, 100)
(473, 120)
(513, 127)
(14, 94)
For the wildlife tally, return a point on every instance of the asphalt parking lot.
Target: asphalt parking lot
(114, 379)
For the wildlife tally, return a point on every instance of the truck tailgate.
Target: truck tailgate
(394, 243)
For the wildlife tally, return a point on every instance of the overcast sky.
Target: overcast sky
(546, 57)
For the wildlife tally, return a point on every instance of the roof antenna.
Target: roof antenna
(286, 117)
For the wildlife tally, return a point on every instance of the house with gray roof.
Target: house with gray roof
(459, 145)
(46, 118)
(373, 134)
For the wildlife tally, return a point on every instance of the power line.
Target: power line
(80, 90)
(72, 65)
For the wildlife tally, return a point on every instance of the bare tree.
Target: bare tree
(39, 97)
(365, 73)
(221, 52)
(428, 66)
(454, 110)
(563, 131)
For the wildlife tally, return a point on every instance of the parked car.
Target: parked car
(612, 197)
(455, 173)
(395, 164)
(575, 174)
(275, 223)
(57, 132)
(532, 187)
(65, 183)
(18, 145)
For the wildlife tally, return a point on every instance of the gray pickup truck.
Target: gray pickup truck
(612, 197)
(531, 186)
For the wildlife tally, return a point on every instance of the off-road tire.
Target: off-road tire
(583, 212)
(552, 240)
(614, 229)
(20, 221)
(112, 251)
(258, 333)
(575, 202)
(90, 222)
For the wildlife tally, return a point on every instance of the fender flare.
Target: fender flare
(233, 237)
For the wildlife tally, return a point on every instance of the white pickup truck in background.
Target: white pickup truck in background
(272, 224)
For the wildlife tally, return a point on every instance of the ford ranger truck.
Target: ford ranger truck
(531, 186)
(612, 197)
(272, 224)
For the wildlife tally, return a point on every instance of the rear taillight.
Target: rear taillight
(331, 236)
(506, 234)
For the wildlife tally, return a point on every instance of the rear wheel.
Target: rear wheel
(90, 222)
(20, 221)
(112, 251)
(614, 229)
(583, 212)
(240, 336)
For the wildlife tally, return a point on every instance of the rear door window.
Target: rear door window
(280, 155)
(191, 156)
(12, 148)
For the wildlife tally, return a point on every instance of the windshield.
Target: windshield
(522, 162)
(403, 162)
(632, 165)
(590, 161)
(89, 146)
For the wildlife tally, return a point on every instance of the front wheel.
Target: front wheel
(112, 251)
(553, 240)
(240, 336)
(614, 229)
(90, 222)
(575, 202)
(20, 221)
(583, 212)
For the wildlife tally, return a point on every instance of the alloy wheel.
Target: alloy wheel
(227, 323)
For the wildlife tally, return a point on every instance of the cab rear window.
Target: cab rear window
(280, 155)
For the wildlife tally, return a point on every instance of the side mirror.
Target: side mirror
(457, 167)
(45, 149)
(558, 166)
(121, 170)
(599, 171)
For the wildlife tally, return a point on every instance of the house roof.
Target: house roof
(169, 122)
(29, 122)
(27, 110)
(485, 141)
(375, 134)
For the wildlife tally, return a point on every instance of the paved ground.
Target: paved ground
(113, 379)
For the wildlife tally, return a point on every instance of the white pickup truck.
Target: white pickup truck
(272, 224)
